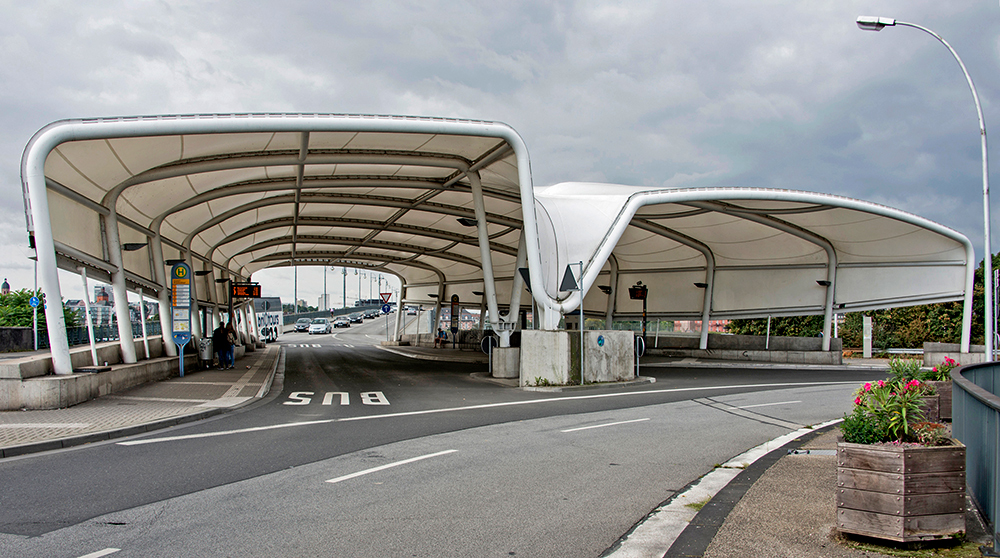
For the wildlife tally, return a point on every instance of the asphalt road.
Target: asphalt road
(428, 461)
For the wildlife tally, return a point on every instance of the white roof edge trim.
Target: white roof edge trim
(680, 195)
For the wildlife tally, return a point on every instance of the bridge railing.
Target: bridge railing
(976, 422)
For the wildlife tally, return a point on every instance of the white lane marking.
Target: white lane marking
(603, 425)
(389, 466)
(46, 425)
(475, 407)
(767, 404)
(100, 553)
(224, 432)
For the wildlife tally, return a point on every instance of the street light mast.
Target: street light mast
(871, 23)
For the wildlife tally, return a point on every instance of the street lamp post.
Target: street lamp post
(870, 23)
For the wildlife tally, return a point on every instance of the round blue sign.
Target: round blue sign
(34, 302)
(386, 308)
(600, 340)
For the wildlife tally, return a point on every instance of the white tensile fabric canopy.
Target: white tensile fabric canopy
(728, 253)
(448, 206)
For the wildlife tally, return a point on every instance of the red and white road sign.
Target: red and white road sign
(385, 297)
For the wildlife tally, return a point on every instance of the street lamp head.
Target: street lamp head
(873, 23)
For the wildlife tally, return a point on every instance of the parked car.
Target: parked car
(357, 318)
(411, 310)
(341, 322)
(302, 324)
(319, 325)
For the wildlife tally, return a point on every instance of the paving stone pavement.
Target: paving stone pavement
(200, 393)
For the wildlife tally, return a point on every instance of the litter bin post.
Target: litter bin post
(206, 351)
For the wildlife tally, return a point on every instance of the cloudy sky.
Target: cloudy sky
(772, 93)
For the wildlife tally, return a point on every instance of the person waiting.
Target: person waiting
(220, 342)
(442, 339)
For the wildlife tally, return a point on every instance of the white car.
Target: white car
(319, 325)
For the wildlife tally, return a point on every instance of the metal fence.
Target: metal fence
(79, 335)
(976, 423)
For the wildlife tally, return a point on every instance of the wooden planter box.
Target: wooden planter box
(931, 408)
(899, 493)
(943, 390)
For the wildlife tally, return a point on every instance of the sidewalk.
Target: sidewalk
(199, 394)
(783, 506)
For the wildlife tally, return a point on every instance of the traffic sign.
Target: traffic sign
(386, 308)
(385, 297)
(34, 302)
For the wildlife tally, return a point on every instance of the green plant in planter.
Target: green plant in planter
(906, 369)
(884, 412)
(942, 372)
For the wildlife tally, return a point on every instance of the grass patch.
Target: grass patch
(696, 506)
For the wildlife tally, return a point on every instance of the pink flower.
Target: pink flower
(868, 386)
(913, 383)
(857, 400)
(881, 383)
(934, 369)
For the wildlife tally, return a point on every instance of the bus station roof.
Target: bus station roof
(235, 194)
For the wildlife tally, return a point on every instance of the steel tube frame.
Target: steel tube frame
(89, 315)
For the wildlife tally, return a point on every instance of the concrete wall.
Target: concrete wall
(609, 356)
(553, 357)
(546, 357)
(506, 362)
(28, 382)
(743, 343)
(750, 348)
(935, 353)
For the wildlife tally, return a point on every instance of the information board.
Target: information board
(180, 290)
(454, 313)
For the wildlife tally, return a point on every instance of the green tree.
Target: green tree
(15, 311)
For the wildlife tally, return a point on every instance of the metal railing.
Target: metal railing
(79, 335)
(976, 422)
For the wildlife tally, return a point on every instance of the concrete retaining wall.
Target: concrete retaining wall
(935, 353)
(553, 357)
(750, 348)
(28, 383)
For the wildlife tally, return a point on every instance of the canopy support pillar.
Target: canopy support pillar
(486, 255)
(163, 297)
(118, 287)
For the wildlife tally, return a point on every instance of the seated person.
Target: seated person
(442, 338)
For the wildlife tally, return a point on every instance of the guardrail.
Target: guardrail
(976, 422)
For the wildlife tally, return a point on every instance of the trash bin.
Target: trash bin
(206, 352)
